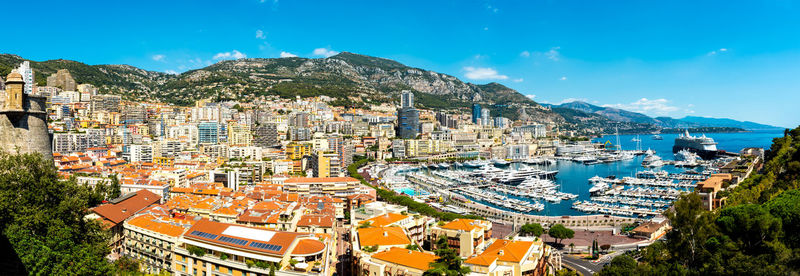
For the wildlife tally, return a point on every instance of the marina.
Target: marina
(597, 182)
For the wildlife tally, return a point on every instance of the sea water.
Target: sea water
(573, 177)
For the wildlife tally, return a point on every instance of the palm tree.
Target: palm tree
(571, 247)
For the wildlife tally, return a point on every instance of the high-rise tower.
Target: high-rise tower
(406, 99)
(26, 72)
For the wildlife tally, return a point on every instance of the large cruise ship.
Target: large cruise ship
(704, 146)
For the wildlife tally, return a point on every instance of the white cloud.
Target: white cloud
(230, 55)
(647, 106)
(563, 78)
(324, 52)
(553, 54)
(531, 96)
(718, 51)
(525, 54)
(171, 72)
(474, 73)
(158, 57)
(518, 80)
(492, 9)
(287, 54)
(260, 34)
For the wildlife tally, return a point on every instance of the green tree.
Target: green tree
(559, 232)
(621, 265)
(448, 261)
(43, 219)
(692, 227)
(127, 266)
(365, 224)
(114, 189)
(534, 229)
(566, 272)
(787, 208)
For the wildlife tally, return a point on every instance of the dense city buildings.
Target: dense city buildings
(235, 188)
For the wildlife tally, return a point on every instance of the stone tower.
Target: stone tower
(23, 120)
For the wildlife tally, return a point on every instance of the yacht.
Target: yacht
(686, 155)
(650, 174)
(517, 176)
(652, 161)
(584, 159)
(501, 163)
(657, 137)
(598, 188)
(487, 171)
(474, 164)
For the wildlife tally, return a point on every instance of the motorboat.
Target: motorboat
(501, 163)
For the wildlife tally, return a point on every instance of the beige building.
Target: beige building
(511, 258)
(322, 186)
(214, 248)
(468, 236)
(151, 239)
(414, 225)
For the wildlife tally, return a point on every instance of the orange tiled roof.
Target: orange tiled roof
(116, 213)
(308, 247)
(316, 220)
(320, 179)
(462, 224)
(405, 257)
(382, 236)
(153, 223)
(280, 238)
(503, 250)
(386, 219)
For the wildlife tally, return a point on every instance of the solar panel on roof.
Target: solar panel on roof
(266, 246)
(232, 240)
(204, 234)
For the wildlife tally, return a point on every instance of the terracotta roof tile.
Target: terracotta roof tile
(382, 236)
(405, 257)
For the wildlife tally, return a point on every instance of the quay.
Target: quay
(517, 219)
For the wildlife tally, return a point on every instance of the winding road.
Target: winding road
(584, 267)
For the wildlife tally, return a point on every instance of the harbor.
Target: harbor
(621, 184)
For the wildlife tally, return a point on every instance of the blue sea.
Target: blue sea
(573, 177)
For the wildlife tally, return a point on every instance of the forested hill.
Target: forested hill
(756, 233)
(353, 79)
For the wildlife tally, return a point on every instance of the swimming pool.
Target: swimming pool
(410, 191)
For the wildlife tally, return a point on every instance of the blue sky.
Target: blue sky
(735, 59)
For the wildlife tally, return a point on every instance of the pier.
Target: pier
(517, 219)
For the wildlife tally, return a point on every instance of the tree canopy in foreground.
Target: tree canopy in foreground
(755, 234)
(43, 219)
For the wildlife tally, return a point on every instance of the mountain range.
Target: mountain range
(351, 80)
(622, 115)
